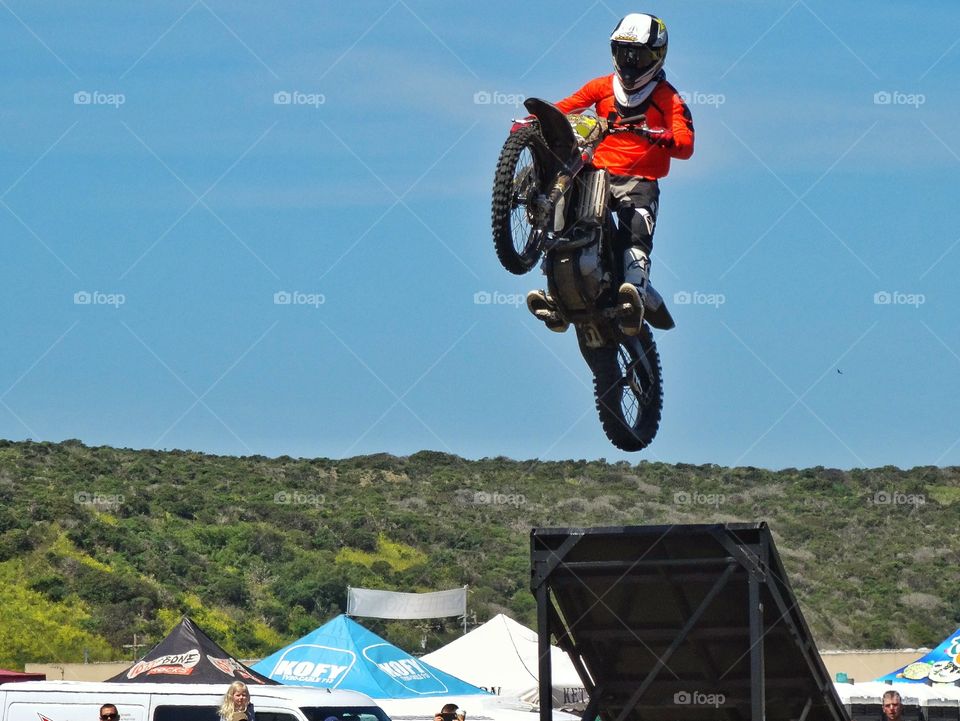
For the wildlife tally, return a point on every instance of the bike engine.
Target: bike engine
(574, 268)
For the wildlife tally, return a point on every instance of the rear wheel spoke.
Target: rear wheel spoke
(629, 400)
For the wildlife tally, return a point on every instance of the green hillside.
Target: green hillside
(99, 544)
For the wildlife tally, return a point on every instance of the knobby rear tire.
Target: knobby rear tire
(518, 180)
(629, 403)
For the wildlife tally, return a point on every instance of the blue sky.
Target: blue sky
(169, 169)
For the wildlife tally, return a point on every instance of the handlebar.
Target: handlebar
(636, 124)
(637, 129)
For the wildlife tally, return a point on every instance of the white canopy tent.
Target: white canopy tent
(502, 656)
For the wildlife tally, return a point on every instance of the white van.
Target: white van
(81, 701)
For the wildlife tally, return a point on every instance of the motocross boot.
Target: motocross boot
(633, 291)
(543, 308)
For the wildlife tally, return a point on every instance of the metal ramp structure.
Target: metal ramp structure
(677, 623)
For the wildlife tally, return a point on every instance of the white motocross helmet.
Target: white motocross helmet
(639, 47)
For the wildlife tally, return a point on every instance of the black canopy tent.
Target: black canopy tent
(678, 623)
(188, 655)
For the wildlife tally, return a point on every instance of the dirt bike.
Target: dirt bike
(549, 201)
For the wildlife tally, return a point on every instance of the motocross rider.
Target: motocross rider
(634, 162)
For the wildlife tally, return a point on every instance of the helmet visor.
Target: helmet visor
(629, 56)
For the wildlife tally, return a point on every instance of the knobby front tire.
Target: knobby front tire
(518, 180)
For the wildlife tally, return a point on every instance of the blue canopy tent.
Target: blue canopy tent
(941, 665)
(343, 654)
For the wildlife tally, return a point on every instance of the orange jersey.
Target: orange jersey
(628, 153)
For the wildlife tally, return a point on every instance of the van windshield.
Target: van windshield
(344, 713)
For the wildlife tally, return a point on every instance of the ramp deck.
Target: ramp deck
(678, 623)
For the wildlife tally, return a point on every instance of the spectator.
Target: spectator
(893, 707)
(447, 713)
(236, 704)
(108, 712)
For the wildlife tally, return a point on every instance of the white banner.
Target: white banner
(392, 604)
